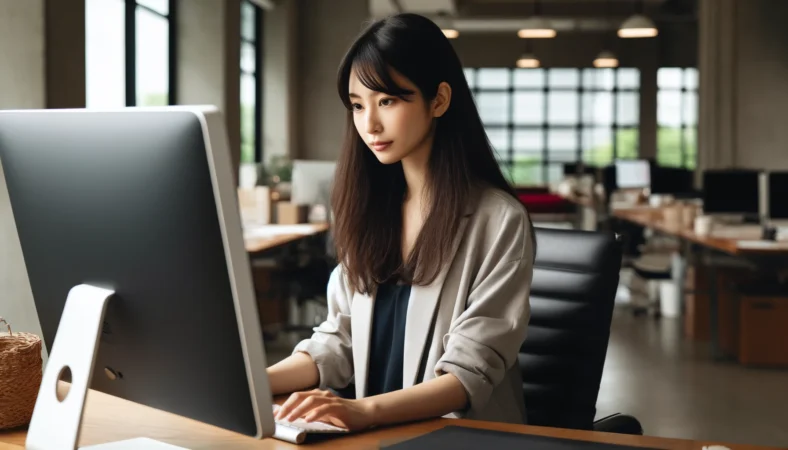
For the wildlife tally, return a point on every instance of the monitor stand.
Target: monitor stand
(56, 424)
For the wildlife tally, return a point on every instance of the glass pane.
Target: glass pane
(598, 146)
(669, 78)
(528, 142)
(690, 116)
(248, 28)
(160, 6)
(105, 62)
(499, 138)
(529, 108)
(628, 78)
(529, 78)
(562, 108)
(669, 147)
(562, 140)
(248, 63)
(527, 172)
(555, 173)
(669, 108)
(627, 143)
(152, 59)
(493, 78)
(247, 117)
(691, 148)
(691, 78)
(493, 107)
(563, 78)
(598, 79)
(470, 75)
(598, 108)
(628, 109)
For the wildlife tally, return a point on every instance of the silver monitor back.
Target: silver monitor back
(142, 202)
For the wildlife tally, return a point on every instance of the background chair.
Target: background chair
(576, 275)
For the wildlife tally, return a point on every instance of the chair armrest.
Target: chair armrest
(619, 423)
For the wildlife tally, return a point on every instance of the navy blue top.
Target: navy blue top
(387, 338)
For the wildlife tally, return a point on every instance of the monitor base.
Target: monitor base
(56, 423)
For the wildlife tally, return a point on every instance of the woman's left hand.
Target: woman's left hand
(324, 406)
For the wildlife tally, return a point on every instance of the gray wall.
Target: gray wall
(208, 53)
(762, 84)
(744, 84)
(22, 85)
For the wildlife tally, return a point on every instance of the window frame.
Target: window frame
(131, 49)
(507, 160)
(684, 125)
(257, 43)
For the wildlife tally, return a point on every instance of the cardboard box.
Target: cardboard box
(290, 214)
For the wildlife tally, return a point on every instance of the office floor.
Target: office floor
(674, 388)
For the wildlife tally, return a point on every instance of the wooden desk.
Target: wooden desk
(652, 218)
(109, 419)
(256, 244)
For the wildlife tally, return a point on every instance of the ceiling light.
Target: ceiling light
(637, 26)
(528, 61)
(450, 33)
(606, 59)
(536, 28)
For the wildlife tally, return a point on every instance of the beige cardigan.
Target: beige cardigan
(469, 322)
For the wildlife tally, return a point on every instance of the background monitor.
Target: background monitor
(142, 202)
(778, 195)
(672, 180)
(312, 181)
(632, 174)
(732, 191)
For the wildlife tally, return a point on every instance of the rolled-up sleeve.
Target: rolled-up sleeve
(483, 342)
(330, 347)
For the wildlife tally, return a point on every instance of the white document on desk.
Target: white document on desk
(765, 245)
(269, 231)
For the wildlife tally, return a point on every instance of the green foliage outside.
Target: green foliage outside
(247, 133)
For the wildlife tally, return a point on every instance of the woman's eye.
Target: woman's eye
(387, 102)
(355, 107)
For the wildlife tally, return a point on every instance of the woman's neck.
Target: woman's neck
(416, 169)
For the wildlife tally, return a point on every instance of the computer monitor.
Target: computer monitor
(633, 174)
(778, 195)
(672, 180)
(136, 206)
(731, 191)
(571, 169)
(312, 181)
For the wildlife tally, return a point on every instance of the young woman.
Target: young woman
(429, 304)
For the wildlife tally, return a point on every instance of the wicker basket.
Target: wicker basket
(20, 377)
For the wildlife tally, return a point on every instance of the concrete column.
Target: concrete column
(280, 79)
(65, 53)
(22, 86)
(209, 72)
(22, 69)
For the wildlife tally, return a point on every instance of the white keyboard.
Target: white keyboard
(296, 431)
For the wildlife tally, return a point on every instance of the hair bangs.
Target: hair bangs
(373, 72)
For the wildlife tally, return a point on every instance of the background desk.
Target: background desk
(266, 237)
(109, 419)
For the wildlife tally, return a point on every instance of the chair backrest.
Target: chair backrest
(574, 286)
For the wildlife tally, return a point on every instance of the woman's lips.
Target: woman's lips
(380, 146)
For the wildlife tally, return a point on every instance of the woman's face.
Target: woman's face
(393, 128)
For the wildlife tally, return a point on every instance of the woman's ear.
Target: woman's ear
(440, 104)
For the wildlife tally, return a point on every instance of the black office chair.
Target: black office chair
(574, 286)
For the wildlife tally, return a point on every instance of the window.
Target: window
(130, 53)
(677, 117)
(539, 119)
(251, 82)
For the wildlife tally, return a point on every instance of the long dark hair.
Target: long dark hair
(367, 196)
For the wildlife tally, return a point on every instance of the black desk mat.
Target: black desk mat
(462, 438)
